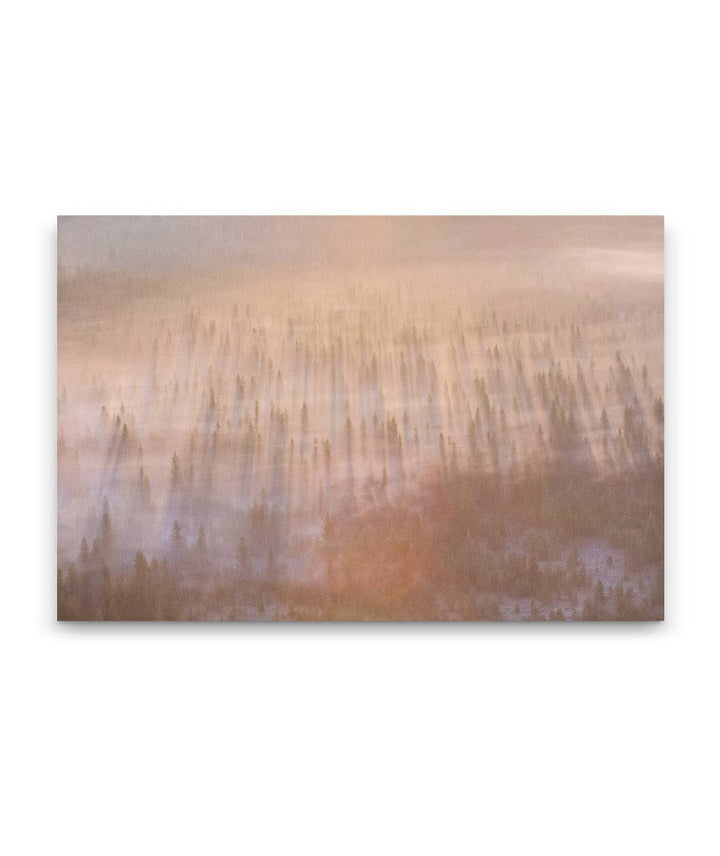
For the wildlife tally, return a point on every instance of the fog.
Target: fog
(393, 418)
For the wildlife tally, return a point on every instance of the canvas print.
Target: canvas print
(360, 418)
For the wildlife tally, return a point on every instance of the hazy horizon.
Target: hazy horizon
(167, 247)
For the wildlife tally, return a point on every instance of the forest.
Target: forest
(470, 433)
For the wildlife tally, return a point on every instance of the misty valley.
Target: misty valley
(304, 443)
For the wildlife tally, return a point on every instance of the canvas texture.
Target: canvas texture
(360, 419)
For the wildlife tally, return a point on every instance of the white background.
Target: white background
(358, 739)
